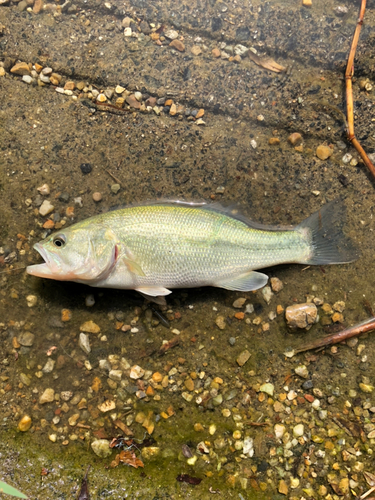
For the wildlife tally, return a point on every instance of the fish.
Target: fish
(155, 247)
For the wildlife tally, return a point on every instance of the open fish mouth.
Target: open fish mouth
(43, 270)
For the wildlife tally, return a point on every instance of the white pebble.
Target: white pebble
(31, 300)
(279, 431)
(315, 404)
(298, 430)
(84, 343)
(248, 446)
(27, 79)
(90, 300)
(44, 189)
(46, 208)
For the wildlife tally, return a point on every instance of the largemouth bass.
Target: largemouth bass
(156, 247)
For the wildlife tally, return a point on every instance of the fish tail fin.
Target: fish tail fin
(328, 243)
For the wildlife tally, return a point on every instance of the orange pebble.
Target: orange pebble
(150, 391)
(157, 377)
(239, 315)
(49, 224)
(66, 315)
(96, 384)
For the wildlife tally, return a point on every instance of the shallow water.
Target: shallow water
(46, 137)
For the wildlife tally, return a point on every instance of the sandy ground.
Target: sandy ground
(46, 137)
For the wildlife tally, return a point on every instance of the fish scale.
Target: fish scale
(179, 246)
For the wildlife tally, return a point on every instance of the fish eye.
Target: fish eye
(59, 240)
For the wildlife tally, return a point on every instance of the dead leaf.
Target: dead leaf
(125, 429)
(266, 63)
(84, 491)
(128, 458)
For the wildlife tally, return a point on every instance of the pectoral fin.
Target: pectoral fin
(133, 267)
(245, 282)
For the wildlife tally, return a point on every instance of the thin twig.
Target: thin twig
(349, 91)
(113, 177)
(335, 338)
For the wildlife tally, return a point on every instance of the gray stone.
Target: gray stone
(26, 339)
(49, 366)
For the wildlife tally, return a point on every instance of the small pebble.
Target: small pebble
(238, 303)
(90, 327)
(97, 197)
(298, 430)
(44, 189)
(177, 44)
(21, 69)
(136, 372)
(301, 315)
(274, 141)
(267, 294)
(279, 430)
(25, 423)
(89, 300)
(31, 300)
(220, 322)
(171, 34)
(86, 168)
(276, 285)
(27, 79)
(243, 357)
(46, 208)
(196, 50)
(26, 339)
(267, 388)
(295, 139)
(47, 397)
(323, 152)
(302, 371)
(84, 343)
(101, 448)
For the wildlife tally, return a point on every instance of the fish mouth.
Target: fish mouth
(44, 270)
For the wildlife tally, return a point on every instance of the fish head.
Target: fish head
(76, 254)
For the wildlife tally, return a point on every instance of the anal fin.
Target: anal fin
(244, 282)
(154, 293)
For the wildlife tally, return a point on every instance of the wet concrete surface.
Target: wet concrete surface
(45, 137)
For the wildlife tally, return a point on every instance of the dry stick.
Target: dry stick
(349, 91)
(335, 338)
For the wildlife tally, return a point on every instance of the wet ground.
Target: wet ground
(196, 391)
